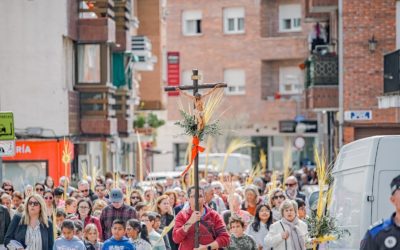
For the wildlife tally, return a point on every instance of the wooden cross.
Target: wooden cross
(195, 87)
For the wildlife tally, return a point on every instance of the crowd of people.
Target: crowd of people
(236, 212)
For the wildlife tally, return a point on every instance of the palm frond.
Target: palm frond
(233, 146)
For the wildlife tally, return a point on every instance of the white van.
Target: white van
(236, 163)
(363, 172)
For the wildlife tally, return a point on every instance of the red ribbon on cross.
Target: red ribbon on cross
(195, 149)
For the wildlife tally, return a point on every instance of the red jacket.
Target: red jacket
(212, 228)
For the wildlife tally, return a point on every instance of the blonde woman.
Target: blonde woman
(33, 230)
(288, 233)
(163, 207)
(276, 197)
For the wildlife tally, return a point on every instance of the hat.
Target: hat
(395, 184)
(58, 191)
(116, 195)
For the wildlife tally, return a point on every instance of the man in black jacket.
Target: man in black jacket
(4, 223)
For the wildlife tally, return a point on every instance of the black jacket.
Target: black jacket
(17, 231)
(4, 222)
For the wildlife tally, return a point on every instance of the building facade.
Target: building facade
(257, 47)
(69, 73)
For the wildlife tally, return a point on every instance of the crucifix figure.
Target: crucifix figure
(200, 123)
(199, 104)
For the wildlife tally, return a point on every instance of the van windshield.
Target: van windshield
(346, 206)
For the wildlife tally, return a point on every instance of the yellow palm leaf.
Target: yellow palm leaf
(212, 103)
(233, 146)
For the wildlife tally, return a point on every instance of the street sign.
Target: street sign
(7, 126)
(358, 115)
(290, 126)
(7, 148)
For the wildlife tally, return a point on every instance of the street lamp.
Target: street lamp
(372, 44)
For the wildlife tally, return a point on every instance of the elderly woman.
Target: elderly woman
(288, 233)
(276, 197)
(252, 199)
(235, 200)
(33, 230)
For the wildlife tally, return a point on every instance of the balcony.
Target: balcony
(322, 6)
(321, 82)
(141, 48)
(122, 9)
(96, 21)
(96, 109)
(124, 111)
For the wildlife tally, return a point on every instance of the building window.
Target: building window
(180, 154)
(89, 63)
(289, 17)
(191, 21)
(290, 80)
(236, 79)
(233, 20)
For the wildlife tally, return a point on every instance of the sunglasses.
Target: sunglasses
(8, 189)
(48, 197)
(278, 196)
(39, 189)
(85, 191)
(33, 203)
(290, 184)
(135, 198)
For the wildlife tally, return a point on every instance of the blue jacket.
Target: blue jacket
(17, 231)
(123, 244)
(381, 236)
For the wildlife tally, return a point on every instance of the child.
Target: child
(137, 234)
(68, 239)
(78, 229)
(91, 235)
(240, 240)
(118, 239)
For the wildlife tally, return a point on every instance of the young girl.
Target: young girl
(91, 236)
(138, 235)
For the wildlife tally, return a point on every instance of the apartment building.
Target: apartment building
(367, 104)
(257, 48)
(71, 78)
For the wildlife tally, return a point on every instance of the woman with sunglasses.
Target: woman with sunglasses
(84, 214)
(39, 188)
(50, 202)
(135, 197)
(260, 226)
(276, 197)
(32, 230)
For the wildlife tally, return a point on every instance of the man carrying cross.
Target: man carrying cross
(181, 231)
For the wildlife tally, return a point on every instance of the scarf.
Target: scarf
(295, 236)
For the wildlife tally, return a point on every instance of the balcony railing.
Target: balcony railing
(89, 9)
(124, 109)
(96, 109)
(321, 70)
(141, 47)
(122, 9)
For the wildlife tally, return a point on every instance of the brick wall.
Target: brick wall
(213, 51)
(363, 71)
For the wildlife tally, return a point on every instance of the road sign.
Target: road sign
(7, 148)
(358, 115)
(7, 126)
